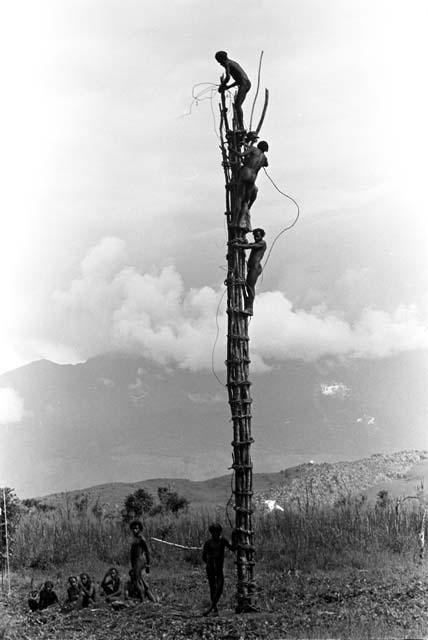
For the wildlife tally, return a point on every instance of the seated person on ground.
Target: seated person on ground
(111, 585)
(88, 590)
(44, 599)
(74, 592)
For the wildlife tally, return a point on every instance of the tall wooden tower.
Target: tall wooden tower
(238, 362)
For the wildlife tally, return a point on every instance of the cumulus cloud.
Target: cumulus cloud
(281, 331)
(11, 406)
(113, 305)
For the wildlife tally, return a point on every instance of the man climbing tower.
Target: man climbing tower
(241, 79)
(254, 267)
(254, 159)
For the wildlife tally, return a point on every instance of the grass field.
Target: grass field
(348, 603)
(348, 571)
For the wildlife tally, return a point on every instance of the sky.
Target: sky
(113, 228)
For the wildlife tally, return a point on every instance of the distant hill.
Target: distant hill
(399, 473)
(203, 494)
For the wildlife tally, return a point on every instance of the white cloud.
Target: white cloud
(280, 331)
(11, 406)
(205, 398)
(335, 389)
(113, 305)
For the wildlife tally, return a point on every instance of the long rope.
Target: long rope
(207, 93)
(215, 341)
(196, 98)
(257, 91)
(287, 228)
(290, 226)
(174, 544)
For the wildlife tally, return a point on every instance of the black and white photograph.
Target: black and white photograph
(214, 320)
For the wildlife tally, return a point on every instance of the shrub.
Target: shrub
(137, 503)
(171, 501)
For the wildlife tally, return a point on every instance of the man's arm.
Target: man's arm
(105, 581)
(249, 245)
(204, 553)
(227, 76)
(242, 154)
(117, 592)
(146, 551)
(225, 79)
(228, 545)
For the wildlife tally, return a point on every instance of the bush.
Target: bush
(171, 501)
(137, 503)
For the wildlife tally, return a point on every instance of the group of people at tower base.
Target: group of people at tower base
(253, 158)
(81, 591)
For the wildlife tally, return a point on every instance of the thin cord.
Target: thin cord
(230, 498)
(215, 341)
(285, 228)
(257, 91)
(211, 89)
(196, 98)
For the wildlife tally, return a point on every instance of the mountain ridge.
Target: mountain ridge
(120, 416)
(401, 474)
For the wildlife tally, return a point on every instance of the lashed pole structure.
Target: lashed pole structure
(238, 363)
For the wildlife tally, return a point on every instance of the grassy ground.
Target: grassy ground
(348, 603)
(344, 571)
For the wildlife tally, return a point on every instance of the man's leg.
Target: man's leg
(240, 97)
(252, 196)
(219, 588)
(147, 591)
(213, 589)
(251, 293)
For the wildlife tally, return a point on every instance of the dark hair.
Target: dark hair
(221, 56)
(215, 527)
(261, 231)
(47, 584)
(72, 578)
(263, 145)
(136, 523)
(85, 575)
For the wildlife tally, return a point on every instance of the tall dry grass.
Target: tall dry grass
(349, 534)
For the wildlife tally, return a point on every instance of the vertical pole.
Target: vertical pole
(7, 542)
(238, 361)
(1, 553)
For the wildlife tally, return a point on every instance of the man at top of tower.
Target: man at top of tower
(241, 80)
